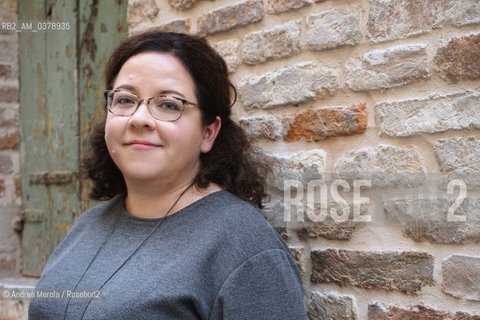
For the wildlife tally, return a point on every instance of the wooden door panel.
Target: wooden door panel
(60, 98)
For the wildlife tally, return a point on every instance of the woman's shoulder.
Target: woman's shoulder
(228, 208)
(237, 222)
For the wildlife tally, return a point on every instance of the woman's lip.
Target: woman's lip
(145, 142)
(142, 145)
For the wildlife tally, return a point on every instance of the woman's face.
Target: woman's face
(149, 151)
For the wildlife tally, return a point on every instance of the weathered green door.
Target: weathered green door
(60, 100)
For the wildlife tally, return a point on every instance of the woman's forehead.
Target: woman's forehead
(155, 71)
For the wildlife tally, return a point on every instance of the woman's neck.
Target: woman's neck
(142, 204)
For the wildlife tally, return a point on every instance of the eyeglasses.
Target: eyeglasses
(163, 108)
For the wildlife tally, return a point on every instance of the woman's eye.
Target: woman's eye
(169, 106)
(125, 100)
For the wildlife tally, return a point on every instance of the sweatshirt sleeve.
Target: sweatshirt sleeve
(266, 286)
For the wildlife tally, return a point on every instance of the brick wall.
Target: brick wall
(380, 97)
(9, 144)
(10, 197)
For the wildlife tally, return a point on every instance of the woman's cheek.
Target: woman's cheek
(111, 149)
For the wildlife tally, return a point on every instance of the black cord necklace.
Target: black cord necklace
(159, 223)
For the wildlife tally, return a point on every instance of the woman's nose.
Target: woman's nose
(142, 116)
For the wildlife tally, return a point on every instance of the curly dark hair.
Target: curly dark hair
(230, 163)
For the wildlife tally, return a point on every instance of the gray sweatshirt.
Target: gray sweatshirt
(218, 258)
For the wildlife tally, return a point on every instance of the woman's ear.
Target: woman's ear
(210, 133)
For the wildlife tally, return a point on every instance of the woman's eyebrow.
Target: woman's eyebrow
(160, 92)
(126, 87)
(171, 92)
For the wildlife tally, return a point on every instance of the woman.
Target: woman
(179, 237)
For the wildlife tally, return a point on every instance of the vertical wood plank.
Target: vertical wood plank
(62, 116)
(103, 25)
(33, 110)
(49, 120)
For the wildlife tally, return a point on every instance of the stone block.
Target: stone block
(393, 19)
(7, 6)
(181, 26)
(9, 116)
(330, 307)
(8, 263)
(8, 12)
(9, 242)
(318, 124)
(280, 6)
(5, 70)
(333, 28)
(6, 164)
(141, 11)
(406, 272)
(9, 47)
(436, 113)
(458, 154)
(263, 127)
(302, 166)
(291, 85)
(461, 277)
(283, 41)
(230, 17)
(378, 311)
(397, 19)
(382, 165)
(455, 13)
(228, 49)
(9, 91)
(387, 68)
(182, 5)
(9, 138)
(297, 253)
(459, 158)
(323, 222)
(330, 230)
(454, 220)
(458, 58)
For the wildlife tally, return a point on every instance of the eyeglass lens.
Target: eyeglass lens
(162, 108)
